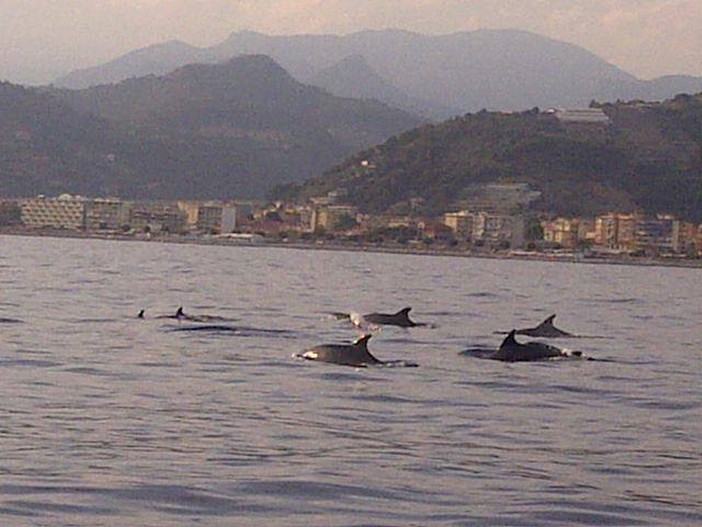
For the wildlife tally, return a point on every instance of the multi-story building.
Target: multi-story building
(616, 231)
(487, 228)
(190, 208)
(567, 232)
(499, 229)
(328, 217)
(297, 218)
(107, 214)
(213, 217)
(690, 239)
(216, 218)
(63, 212)
(10, 213)
(659, 235)
(436, 230)
(461, 223)
(155, 217)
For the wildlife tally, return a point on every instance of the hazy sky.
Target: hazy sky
(41, 39)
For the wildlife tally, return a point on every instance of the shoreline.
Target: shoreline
(355, 247)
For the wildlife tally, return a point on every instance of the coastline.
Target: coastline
(570, 258)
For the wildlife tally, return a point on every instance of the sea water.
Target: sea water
(111, 420)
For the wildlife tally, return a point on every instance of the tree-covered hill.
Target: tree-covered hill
(47, 147)
(230, 130)
(648, 157)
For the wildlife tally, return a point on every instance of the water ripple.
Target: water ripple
(108, 420)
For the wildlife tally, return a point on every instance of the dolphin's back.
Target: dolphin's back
(546, 330)
(355, 354)
(512, 351)
(401, 318)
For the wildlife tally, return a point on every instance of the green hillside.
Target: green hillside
(231, 130)
(646, 158)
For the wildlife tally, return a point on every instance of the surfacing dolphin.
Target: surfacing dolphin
(544, 330)
(182, 315)
(355, 354)
(178, 315)
(512, 351)
(400, 319)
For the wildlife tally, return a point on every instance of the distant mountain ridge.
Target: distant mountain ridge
(445, 75)
(229, 130)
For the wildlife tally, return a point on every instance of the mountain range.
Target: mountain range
(227, 130)
(436, 76)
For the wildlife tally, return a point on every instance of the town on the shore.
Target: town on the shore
(495, 222)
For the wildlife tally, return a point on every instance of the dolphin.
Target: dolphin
(182, 315)
(400, 319)
(544, 330)
(512, 351)
(354, 354)
(178, 315)
(9, 321)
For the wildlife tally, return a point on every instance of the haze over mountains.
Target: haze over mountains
(437, 76)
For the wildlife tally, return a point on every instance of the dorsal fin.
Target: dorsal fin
(141, 314)
(362, 340)
(509, 339)
(547, 323)
(179, 312)
(404, 311)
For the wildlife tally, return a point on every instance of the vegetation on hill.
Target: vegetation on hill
(229, 130)
(647, 158)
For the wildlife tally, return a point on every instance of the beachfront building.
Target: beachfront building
(190, 209)
(461, 223)
(296, 218)
(330, 217)
(387, 221)
(690, 239)
(487, 228)
(435, 230)
(157, 217)
(659, 235)
(616, 231)
(497, 230)
(10, 213)
(63, 212)
(216, 218)
(568, 233)
(107, 214)
(212, 217)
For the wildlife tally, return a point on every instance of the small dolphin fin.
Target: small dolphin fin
(509, 339)
(548, 323)
(141, 313)
(340, 316)
(404, 311)
(179, 312)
